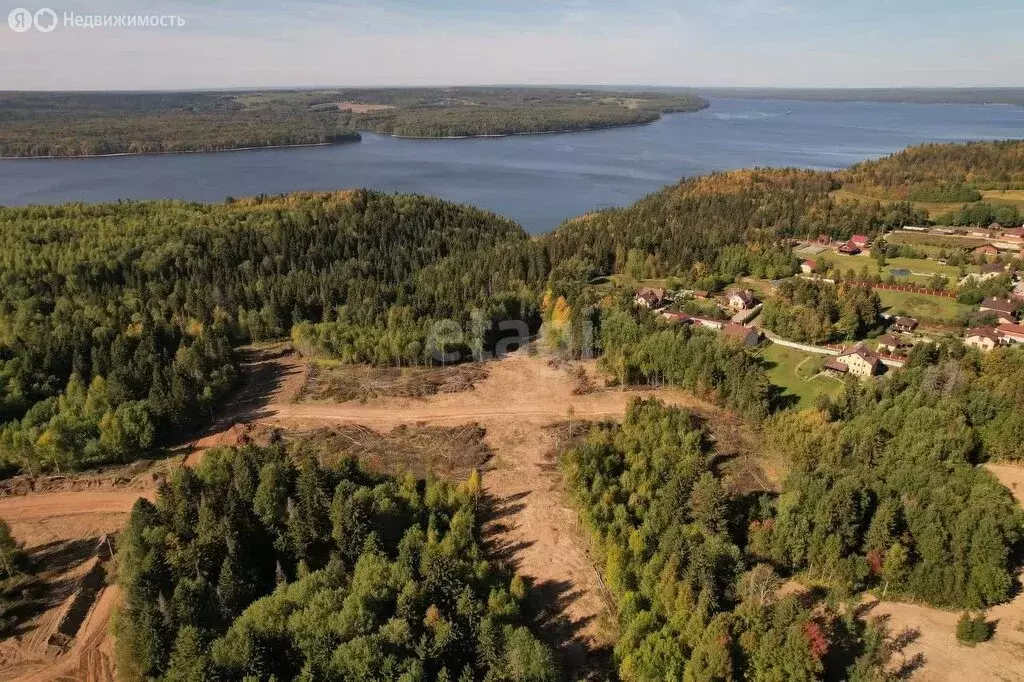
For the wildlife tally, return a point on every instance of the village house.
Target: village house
(741, 300)
(986, 250)
(984, 338)
(860, 240)
(849, 249)
(1012, 333)
(988, 271)
(835, 367)
(980, 232)
(904, 324)
(1014, 232)
(1005, 309)
(682, 318)
(649, 298)
(747, 336)
(860, 362)
(808, 267)
(892, 344)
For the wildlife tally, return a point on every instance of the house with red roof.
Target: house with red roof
(1013, 333)
(860, 240)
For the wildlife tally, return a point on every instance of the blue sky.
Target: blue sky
(233, 43)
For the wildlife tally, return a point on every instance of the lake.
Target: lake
(538, 180)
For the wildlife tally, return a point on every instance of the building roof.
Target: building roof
(859, 239)
(745, 295)
(988, 268)
(891, 340)
(849, 247)
(810, 263)
(906, 322)
(1011, 329)
(986, 248)
(1000, 305)
(1014, 232)
(984, 333)
(836, 366)
(738, 331)
(863, 352)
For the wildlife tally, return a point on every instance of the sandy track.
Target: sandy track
(69, 525)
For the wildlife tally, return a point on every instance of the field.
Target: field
(922, 268)
(923, 307)
(798, 373)
(1012, 197)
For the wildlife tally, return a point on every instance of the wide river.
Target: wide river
(539, 180)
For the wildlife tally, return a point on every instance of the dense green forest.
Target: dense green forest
(84, 124)
(256, 567)
(117, 321)
(695, 601)
(946, 171)
(885, 491)
(818, 312)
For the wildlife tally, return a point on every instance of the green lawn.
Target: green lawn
(797, 373)
(923, 307)
(926, 267)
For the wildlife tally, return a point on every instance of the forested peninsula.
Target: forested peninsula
(90, 124)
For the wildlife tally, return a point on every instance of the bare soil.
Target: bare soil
(341, 383)
(357, 108)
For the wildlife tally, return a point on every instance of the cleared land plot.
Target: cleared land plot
(798, 374)
(450, 452)
(340, 383)
(937, 242)
(924, 307)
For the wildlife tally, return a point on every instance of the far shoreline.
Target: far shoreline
(57, 157)
(561, 131)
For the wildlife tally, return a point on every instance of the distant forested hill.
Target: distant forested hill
(1013, 96)
(84, 124)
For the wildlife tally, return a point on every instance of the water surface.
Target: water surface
(539, 180)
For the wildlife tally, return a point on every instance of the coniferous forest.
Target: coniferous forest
(260, 567)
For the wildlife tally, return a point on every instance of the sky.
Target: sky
(773, 43)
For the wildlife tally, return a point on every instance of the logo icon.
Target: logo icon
(46, 20)
(20, 19)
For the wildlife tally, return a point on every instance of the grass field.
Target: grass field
(935, 308)
(922, 268)
(797, 373)
(934, 242)
(1013, 197)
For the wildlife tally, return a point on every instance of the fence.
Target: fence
(905, 287)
